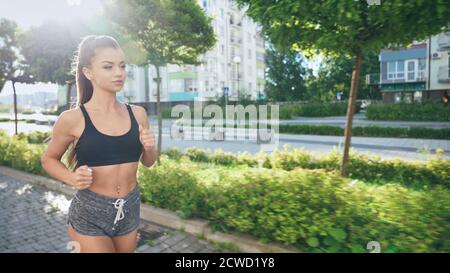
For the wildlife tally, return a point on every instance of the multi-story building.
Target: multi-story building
(419, 72)
(235, 66)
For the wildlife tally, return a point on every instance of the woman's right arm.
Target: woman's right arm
(60, 141)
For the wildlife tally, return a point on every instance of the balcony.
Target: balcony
(235, 23)
(182, 75)
(419, 76)
(237, 41)
(444, 74)
(444, 40)
(182, 96)
(260, 43)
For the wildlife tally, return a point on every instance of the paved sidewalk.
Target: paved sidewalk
(33, 219)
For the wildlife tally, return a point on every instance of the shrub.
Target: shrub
(314, 210)
(368, 131)
(171, 185)
(426, 111)
(20, 155)
(35, 137)
(370, 169)
(316, 109)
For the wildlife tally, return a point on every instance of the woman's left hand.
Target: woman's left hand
(146, 137)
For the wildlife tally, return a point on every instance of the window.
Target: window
(396, 70)
(400, 69)
(391, 70)
(260, 56)
(421, 69)
(222, 49)
(249, 54)
(411, 70)
(260, 73)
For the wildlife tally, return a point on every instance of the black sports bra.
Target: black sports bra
(97, 149)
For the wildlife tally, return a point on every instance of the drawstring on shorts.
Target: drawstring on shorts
(118, 204)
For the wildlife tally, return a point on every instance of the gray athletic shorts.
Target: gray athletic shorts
(94, 214)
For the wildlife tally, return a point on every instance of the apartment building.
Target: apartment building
(234, 67)
(416, 73)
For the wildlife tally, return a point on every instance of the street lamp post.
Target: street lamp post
(237, 61)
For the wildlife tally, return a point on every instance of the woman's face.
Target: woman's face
(107, 70)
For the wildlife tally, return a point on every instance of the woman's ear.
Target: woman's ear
(87, 73)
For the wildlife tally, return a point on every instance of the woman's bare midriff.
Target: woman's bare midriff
(107, 179)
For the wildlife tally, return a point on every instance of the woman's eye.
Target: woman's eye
(107, 67)
(124, 66)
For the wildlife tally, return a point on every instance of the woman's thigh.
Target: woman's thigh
(91, 244)
(126, 243)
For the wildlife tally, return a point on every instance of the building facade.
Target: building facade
(417, 73)
(234, 67)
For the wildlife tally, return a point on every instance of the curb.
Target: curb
(163, 217)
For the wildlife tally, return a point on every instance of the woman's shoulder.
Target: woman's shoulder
(139, 112)
(70, 117)
(137, 108)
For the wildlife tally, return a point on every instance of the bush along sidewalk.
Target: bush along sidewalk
(419, 175)
(288, 111)
(368, 131)
(426, 111)
(316, 109)
(16, 152)
(314, 210)
(291, 198)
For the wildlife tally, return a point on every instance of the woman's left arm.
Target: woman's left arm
(147, 139)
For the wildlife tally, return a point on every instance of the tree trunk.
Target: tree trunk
(158, 110)
(351, 110)
(15, 105)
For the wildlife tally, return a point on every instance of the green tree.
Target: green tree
(337, 27)
(335, 73)
(49, 49)
(169, 32)
(8, 49)
(286, 74)
(13, 67)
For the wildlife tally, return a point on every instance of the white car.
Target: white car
(364, 104)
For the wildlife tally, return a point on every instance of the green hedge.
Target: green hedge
(288, 111)
(35, 137)
(374, 170)
(368, 131)
(316, 109)
(426, 111)
(371, 169)
(19, 154)
(272, 198)
(313, 210)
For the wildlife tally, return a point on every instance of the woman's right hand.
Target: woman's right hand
(82, 177)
